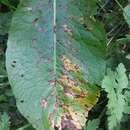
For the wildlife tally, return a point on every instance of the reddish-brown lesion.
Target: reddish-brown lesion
(82, 20)
(68, 29)
(44, 103)
(68, 65)
(70, 119)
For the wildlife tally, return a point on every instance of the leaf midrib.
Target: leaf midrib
(54, 34)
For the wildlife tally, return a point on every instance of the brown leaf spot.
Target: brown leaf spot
(40, 30)
(44, 103)
(68, 29)
(71, 17)
(68, 65)
(81, 20)
(35, 21)
(52, 82)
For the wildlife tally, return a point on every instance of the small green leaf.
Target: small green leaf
(124, 40)
(127, 14)
(3, 98)
(128, 56)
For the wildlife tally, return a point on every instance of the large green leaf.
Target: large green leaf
(52, 54)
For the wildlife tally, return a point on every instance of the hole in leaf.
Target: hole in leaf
(22, 101)
(22, 75)
(13, 66)
(14, 61)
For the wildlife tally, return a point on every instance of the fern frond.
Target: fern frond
(127, 98)
(4, 122)
(114, 84)
(92, 125)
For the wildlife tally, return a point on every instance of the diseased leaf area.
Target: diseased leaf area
(67, 64)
